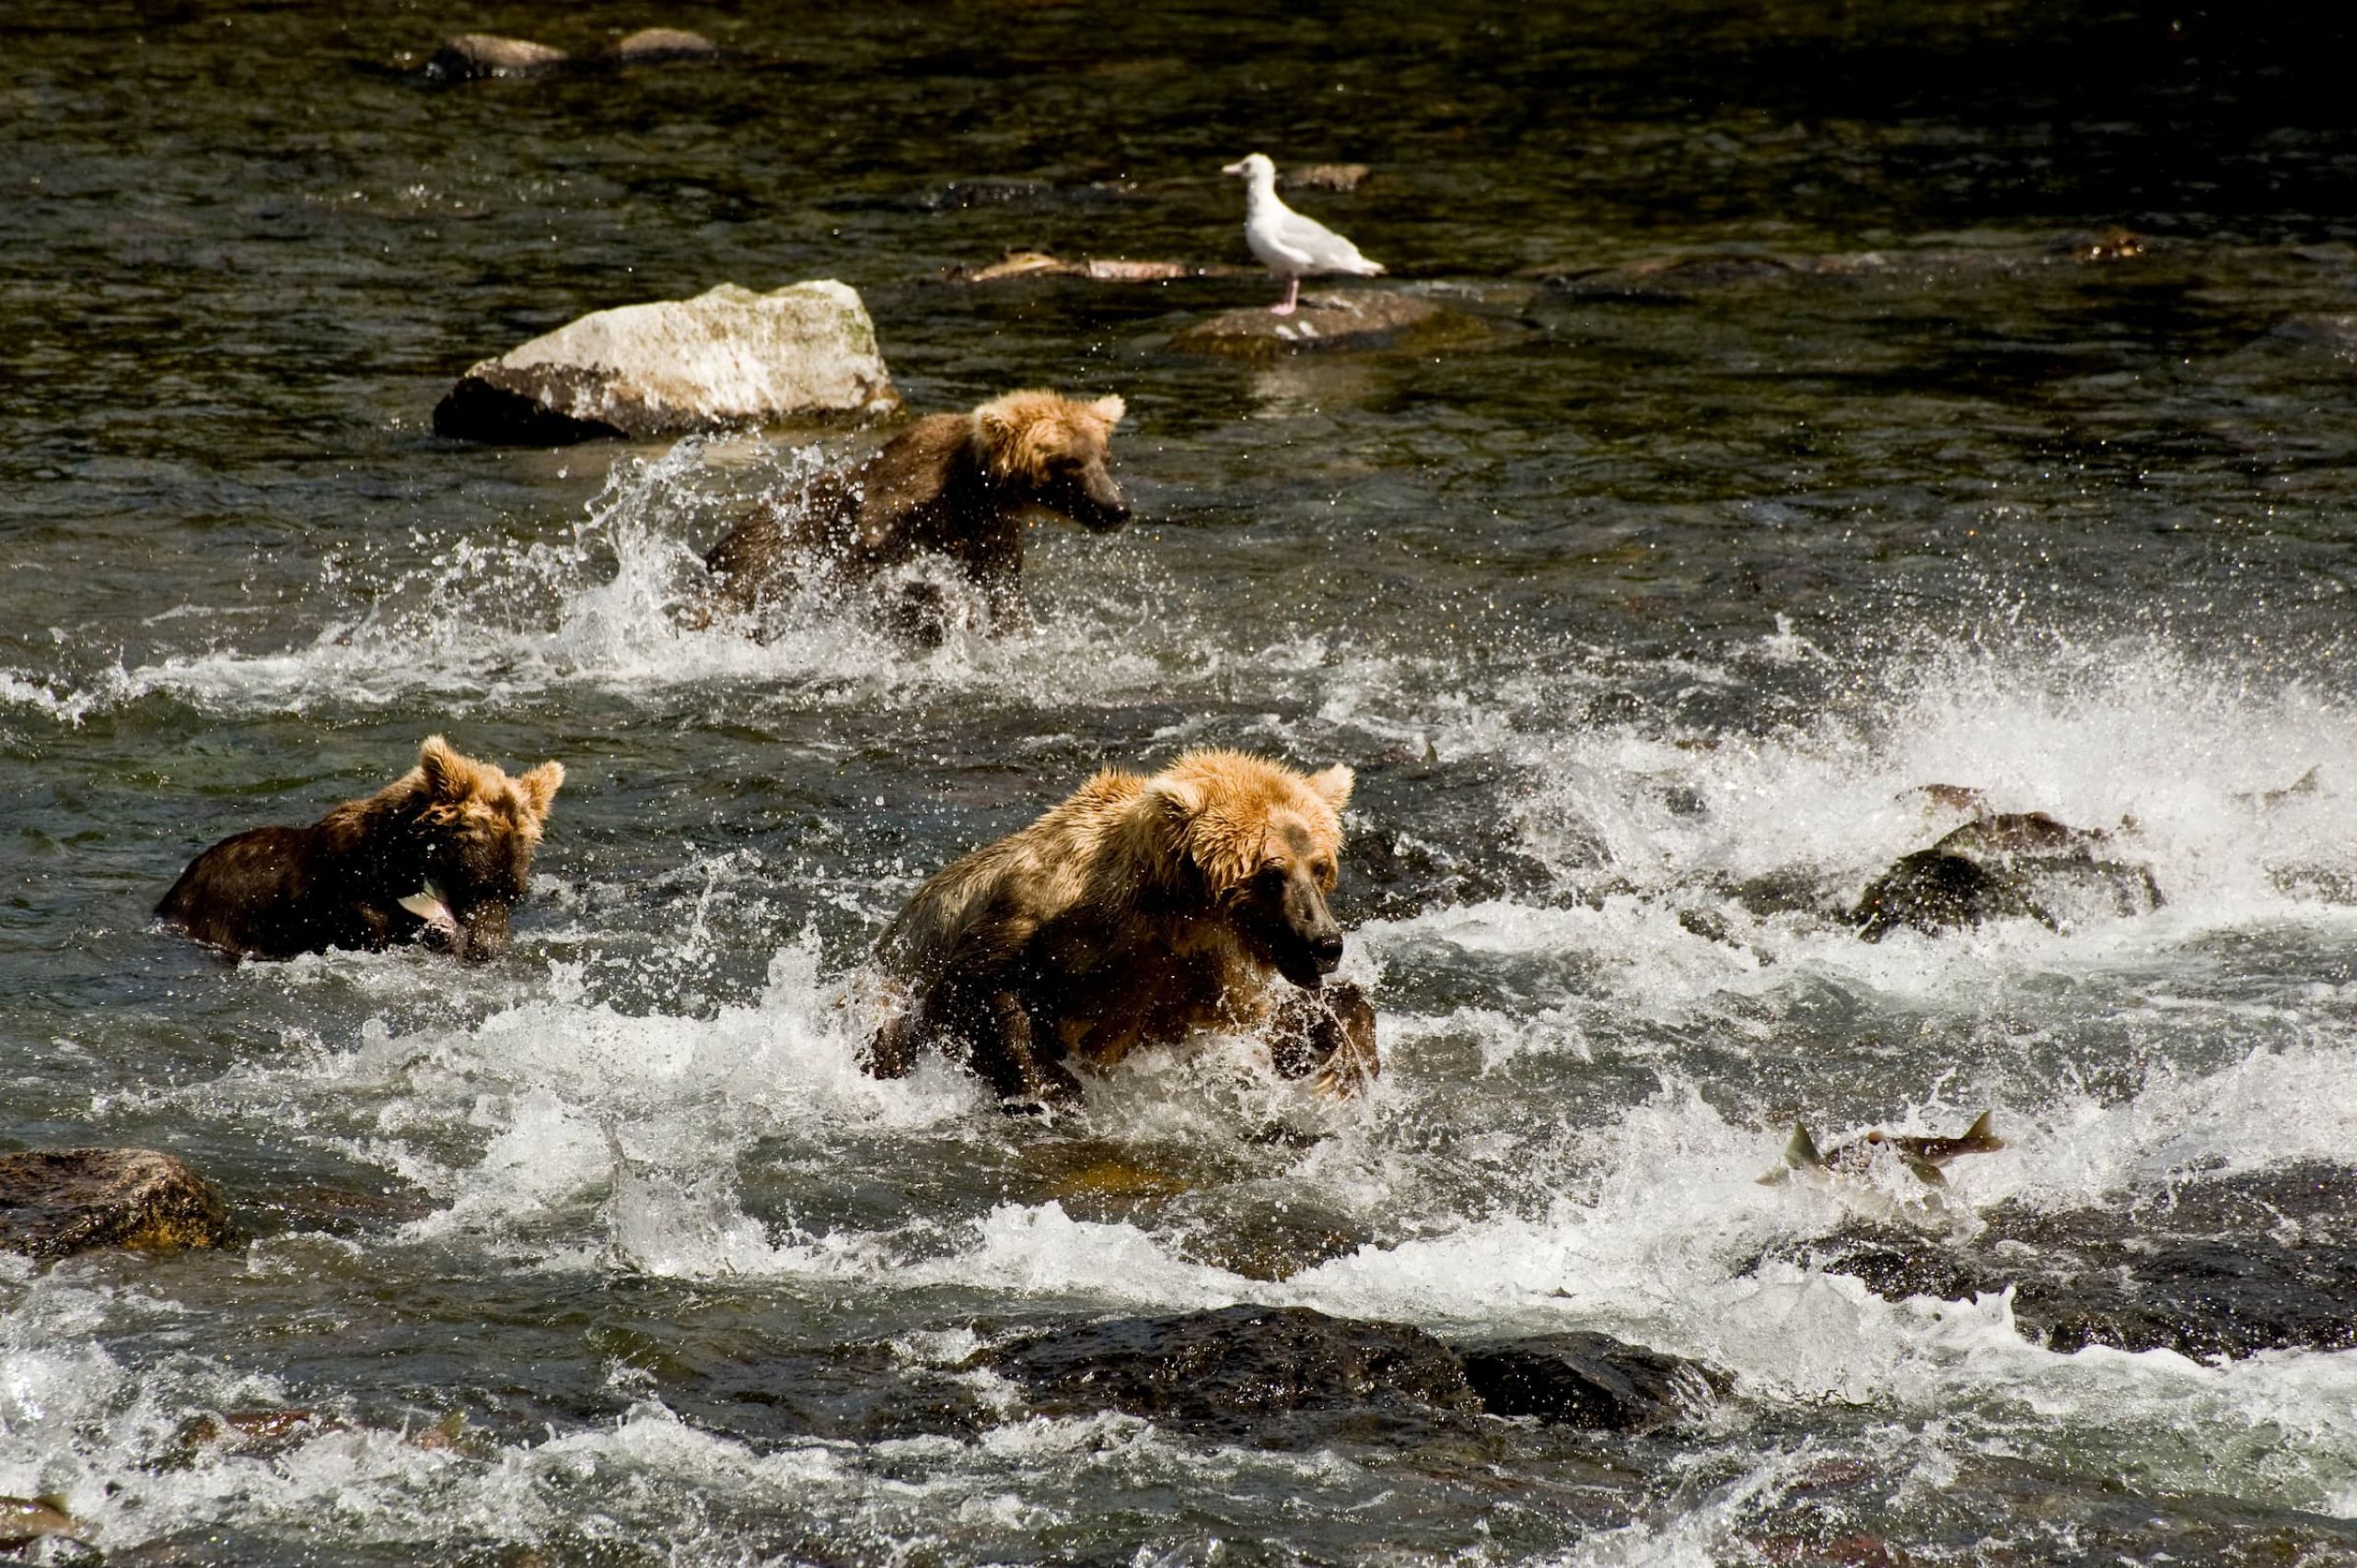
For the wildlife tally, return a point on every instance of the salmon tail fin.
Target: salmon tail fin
(1981, 1137)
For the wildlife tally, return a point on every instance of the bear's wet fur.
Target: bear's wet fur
(443, 853)
(961, 486)
(1134, 913)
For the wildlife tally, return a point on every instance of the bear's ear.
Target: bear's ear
(1333, 786)
(447, 775)
(1109, 408)
(1176, 799)
(997, 423)
(538, 788)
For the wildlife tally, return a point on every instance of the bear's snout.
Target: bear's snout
(1103, 506)
(483, 932)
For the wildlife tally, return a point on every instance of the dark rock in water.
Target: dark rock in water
(1362, 319)
(1932, 890)
(1790, 891)
(2006, 865)
(474, 56)
(57, 1202)
(2226, 1266)
(1591, 1380)
(1238, 1370)
(650, 45)
(727, 357)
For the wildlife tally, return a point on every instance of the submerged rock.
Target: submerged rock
(2226, 1266)
(1360, 318)
(475, 57)
(1591, 1380)
(1250, 1370)
(2005, 865)
(727, 357)
(1236, 1370)
(57, 1202)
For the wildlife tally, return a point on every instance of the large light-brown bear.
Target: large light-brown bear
(961, 486)
(439, 856)
(1137, 912)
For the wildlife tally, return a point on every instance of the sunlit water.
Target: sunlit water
(1642, 602)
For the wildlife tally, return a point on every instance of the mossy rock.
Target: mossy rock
(58, 1202)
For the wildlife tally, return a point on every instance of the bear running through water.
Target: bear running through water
(1134, 913)
(440, 854)
(957, 485)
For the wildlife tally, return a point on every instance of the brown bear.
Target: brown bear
(1137, 912)
(440, 854)
(957, 485)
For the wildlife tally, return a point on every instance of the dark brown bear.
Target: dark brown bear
(441, 854)
(957, 485)
(1137, 913)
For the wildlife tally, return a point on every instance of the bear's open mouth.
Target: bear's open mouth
(1303, 968)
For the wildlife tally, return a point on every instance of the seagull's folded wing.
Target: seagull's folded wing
(1317, 244)
(1286, 247)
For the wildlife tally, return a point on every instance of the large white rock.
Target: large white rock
(726, 357)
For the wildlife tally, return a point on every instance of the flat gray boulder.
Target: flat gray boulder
(56, 1202)
(726, 358)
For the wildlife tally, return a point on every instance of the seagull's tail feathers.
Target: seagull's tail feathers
(1360, 267)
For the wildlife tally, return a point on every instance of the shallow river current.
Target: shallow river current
(1819, 442)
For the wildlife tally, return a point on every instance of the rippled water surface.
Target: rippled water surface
(1822, 440)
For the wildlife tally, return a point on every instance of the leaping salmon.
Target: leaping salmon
(1922, 1156)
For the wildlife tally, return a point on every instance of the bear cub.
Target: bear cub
(961, 486)
(440, 856)
(1137, 912)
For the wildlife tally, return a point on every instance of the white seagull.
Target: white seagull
(1289, 245)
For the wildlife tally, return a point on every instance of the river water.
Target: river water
(1675, 584)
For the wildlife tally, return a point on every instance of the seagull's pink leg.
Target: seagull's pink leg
(1293, 298)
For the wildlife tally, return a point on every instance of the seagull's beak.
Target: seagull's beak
(1236, 168)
